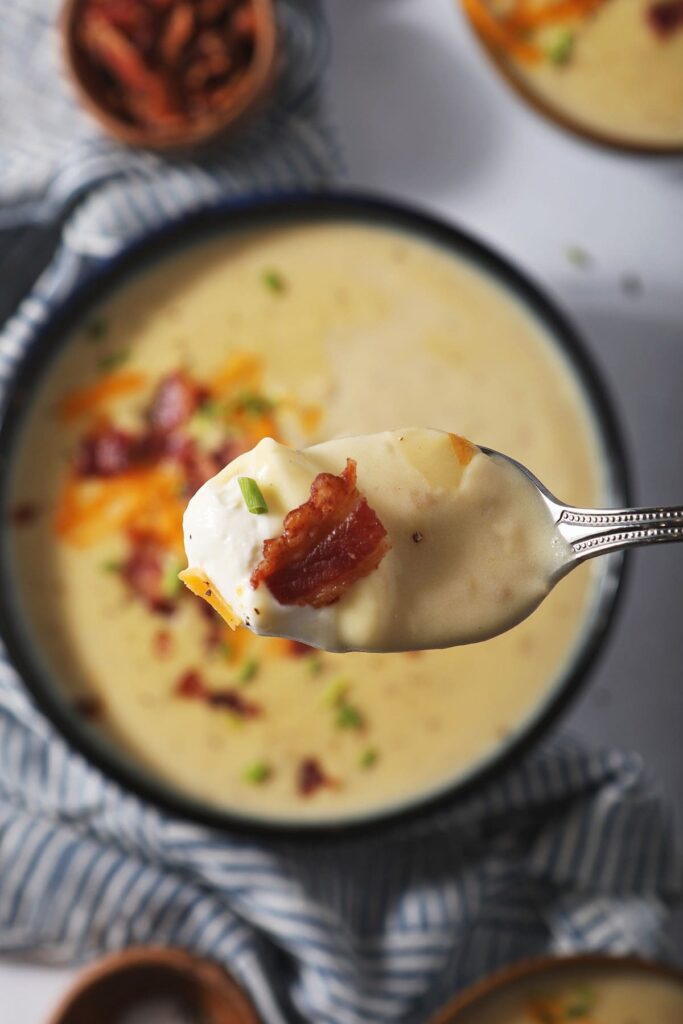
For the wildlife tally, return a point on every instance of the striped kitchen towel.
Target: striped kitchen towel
(570, 850)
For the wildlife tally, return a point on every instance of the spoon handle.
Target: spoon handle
(596, 531)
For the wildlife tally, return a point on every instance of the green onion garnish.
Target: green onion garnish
(274, 281)
(257, 773)
(111, 565)
(170, 584)
(315, 664)
(560, 49)
(248, 670)
(253, 403)
(114, 359)
(369, 757)
(251, 492)
(348, 717)
(335, 692)
(578, 257)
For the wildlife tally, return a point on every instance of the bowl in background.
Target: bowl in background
(246, 95)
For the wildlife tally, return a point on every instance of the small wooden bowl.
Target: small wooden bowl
(538, 968)
(247, 95)
(120, 983)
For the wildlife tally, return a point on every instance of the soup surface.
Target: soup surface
(585, 996)
(614, 67)
(302, 334)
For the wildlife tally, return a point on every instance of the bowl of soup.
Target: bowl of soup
(585, 989)
(299, 319)
(611, 70)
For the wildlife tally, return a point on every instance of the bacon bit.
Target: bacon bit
(177, 33)
(298, 650)
(143, 572)
(311, 777)
(174, 401)
(327, 543)
(96, 396)
(163, 643)
(665, 17)
(192, 687)
(153, 101)
(106, 451)
(232, 700)
(24, 513)
(90, 708)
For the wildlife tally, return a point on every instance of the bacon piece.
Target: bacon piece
(311, 777)
(665, 17)
(109, 47)
(177, 33)
(192, 687)
(299, 650)
(90, 708)
(174, 401)
(326, 544)
(163, 643)
(106, 451)
(143, 571)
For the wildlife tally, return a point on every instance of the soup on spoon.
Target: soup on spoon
(402, 540)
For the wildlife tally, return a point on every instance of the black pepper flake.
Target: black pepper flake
(417, 537)
(257, 611)
(207, 593)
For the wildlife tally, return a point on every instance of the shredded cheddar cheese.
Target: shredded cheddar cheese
(200, 585)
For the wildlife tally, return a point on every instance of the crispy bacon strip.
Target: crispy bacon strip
(327, 543)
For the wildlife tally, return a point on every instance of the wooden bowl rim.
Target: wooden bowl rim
(247, 94)
(547, 964)
(615, 143)
(207, 973)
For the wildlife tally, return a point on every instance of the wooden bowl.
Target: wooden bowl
(248, 94)
(125, 981)
(537, 969)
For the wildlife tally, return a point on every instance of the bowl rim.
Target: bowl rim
(570, 125)
(183, 963)
(250, 213)
(547, 963)
(247, 95)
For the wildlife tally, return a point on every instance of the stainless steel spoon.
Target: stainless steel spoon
(599, 531)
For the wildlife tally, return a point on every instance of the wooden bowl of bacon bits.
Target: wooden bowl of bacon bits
(168, 74)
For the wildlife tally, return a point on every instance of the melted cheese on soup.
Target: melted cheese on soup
(301, 334)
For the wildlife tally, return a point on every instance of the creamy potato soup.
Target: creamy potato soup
(404, 540)
(612, 67)
(300, 334)
(584, 996)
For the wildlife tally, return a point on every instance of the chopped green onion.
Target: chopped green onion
(224, 649)
(111, 565)
(96, 329)
(211, 408)
(369, 757)
(274, 281)
(170, 584)
(315, 664)
(578, 256)
(581, 1003)
(114, 359)
(251, 492)
(348, 717)
(335, 692)
(257, 773)
(248, 670)
(253, 403)
(560, 49)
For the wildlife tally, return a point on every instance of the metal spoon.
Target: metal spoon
(599, 531)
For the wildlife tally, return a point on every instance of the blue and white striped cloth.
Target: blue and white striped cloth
(570, 851)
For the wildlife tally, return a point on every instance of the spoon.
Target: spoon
(589, 532)
(458, 543)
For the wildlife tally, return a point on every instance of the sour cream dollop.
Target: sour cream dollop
(473, 547)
